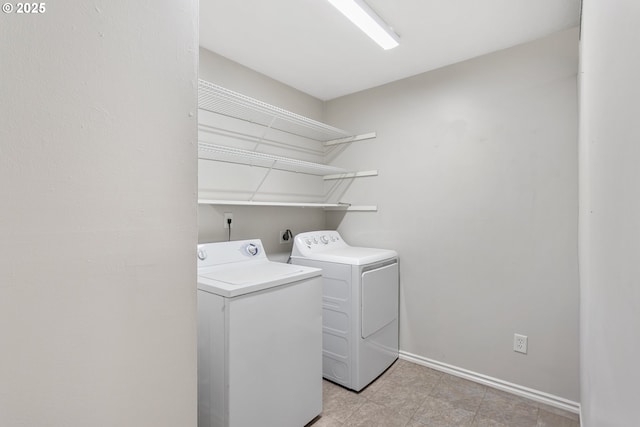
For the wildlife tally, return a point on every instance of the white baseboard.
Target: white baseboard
(538, 396)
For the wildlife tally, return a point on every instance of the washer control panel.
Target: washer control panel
(210, 254)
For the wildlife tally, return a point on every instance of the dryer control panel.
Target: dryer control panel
(328, 245)
(317, 241)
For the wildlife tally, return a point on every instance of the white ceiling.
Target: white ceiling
(309, 45)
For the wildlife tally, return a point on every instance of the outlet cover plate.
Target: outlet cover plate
(520, 343)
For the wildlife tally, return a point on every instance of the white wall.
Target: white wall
(218, 180)
(98, 217)
(231, 75)
(478, 193)
(610, 213)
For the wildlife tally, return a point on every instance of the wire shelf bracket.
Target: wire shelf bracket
(348, 175)
(348, 139)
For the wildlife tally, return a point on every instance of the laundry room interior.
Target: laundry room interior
(479, 157)
(503, 179)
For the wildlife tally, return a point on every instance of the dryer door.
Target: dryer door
(379, 297)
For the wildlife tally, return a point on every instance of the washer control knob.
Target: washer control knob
(307, 241)
(315, 240)
(252, 249)
(202, 254)
(324, 239)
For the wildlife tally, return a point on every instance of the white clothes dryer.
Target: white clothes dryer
(360, 300)
(259, 338)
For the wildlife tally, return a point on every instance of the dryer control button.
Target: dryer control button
(324, 239)
(202, 254)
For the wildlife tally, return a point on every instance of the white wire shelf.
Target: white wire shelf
(326, 206)
(252, 158)
(332, 206)
(220, 100)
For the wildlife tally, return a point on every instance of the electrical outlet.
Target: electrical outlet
(228, 216)
(285, 236)
(520, 343)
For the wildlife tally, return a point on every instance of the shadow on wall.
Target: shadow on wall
(334, 219)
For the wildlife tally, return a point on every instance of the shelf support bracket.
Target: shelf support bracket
(348, 139)
(261, 138)
(351, 175)
(354, 208)
(264, 178)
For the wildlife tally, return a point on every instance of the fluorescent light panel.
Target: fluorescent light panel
(368, 21)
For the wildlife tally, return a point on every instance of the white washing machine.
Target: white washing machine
(359, 306)
(259, 338)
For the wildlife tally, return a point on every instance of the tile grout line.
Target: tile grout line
(475, 415)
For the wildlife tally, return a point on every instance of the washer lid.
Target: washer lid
(235, 279)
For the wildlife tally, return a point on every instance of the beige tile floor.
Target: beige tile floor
(410, 395)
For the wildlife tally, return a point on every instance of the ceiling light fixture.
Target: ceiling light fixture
(368, 21)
